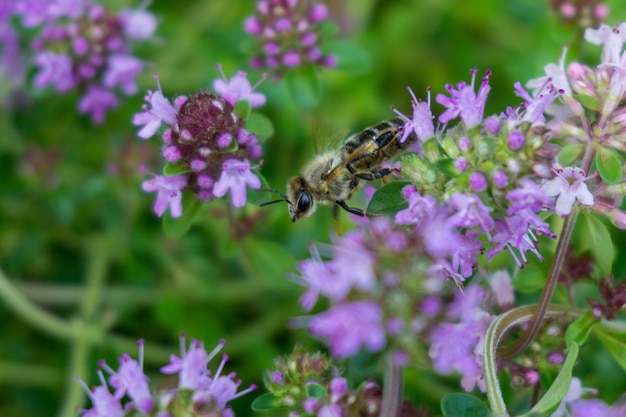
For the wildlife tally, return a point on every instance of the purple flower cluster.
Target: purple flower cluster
(82, 46)
(287, 34)
(389, 287)
(198, 388)
(205, 145)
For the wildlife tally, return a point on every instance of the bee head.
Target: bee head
(301, 203)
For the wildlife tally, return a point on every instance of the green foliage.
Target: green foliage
(609, 165)
(388, 199)
(463, 405)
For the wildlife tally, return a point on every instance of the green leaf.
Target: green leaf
(243, 108)
(260, 125)
(176, 169)
(446, 165)
(616, 345)
(388, 199)
(463, 405)
(176, 227)
(265, 402)
(578, 331)
(598, 241)
(304, 86)
(315, 391)
(609, 165)
(588, 102)
(557, 391)
(350, 57)
(570, 154)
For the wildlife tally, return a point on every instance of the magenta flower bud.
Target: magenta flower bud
(515, 140)
(205, 195)
(492, 124)
(283, 24)
(329, 61)
(308, 39)
(253, 26)
(478, 182)
(224, 140)
(464, 144)
(271, 48)
(198, 165)
(80, 46)
(500, 179)
(205, 181)
(314, 54)
(460, 164)
(318, 12)
(291, 59)
(277, 377)
(171, 154)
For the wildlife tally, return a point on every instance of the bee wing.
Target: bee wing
(326, 135)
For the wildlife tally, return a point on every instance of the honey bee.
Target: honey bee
(332, 177)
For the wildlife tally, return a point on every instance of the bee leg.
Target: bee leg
(336, 212)
(349, 209)
(375, 175)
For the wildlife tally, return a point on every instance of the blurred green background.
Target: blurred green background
(78, 237)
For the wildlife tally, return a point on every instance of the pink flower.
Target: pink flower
(238, 88)
(169, 193)
(161, 111)
(235, 176)
(569, 186)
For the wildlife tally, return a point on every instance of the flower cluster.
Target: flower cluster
(198, 389)
(368, 279)
(305, 383)
(287, 34)
(81, 46)
(11, 59)
(206, 147)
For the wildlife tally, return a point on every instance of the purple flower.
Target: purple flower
(96, 102)
(500, 282)
(422, 121)
(569, 185)
(238, 88)
(130, 380)
(555, 75)
(138, 24)
(54, 69)
(161, 111)
(191, 365)
(612, 40)
(420, 207)
(122, 70)
(527, 197)
(535, 106)
(169, 193)
(104, 403)
(235, 176)
(348, 327)
(471, 212)
(465, 102)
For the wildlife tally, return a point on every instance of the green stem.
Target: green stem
(555, 270)
(392, 389)
(74, 396)
(95, 277)
(498, 328)
(41, 319)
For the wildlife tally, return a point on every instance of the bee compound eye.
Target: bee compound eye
(304, 202)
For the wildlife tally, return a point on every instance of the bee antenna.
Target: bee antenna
(284, 197)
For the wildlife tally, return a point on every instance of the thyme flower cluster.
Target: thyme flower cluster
(206, 147)
(287, 34)
(199, 390)
(81, 46)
